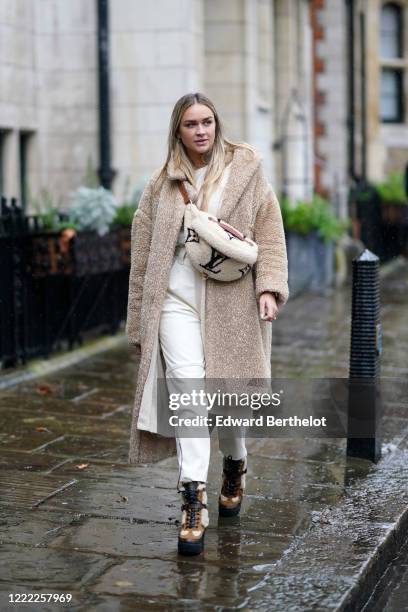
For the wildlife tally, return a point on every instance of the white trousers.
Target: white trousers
(182, 346)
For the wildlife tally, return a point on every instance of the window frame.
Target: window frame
(399, 65)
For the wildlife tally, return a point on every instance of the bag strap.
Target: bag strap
(183, 192)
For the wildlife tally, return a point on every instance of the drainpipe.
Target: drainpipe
(363, 99)
(105, 170)
(351, 91)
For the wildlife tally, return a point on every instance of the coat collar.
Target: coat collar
(243, 166)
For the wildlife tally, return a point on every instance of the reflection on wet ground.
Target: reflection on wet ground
(76, 518)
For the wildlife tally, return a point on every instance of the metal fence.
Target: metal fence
(53, 294)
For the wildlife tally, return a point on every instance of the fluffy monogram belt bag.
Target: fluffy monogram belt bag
(215, 248)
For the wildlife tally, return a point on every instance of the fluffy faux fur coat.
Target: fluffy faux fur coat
(237, 343)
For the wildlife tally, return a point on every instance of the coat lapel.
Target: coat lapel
(243, 167)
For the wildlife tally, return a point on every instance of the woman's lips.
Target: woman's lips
(204, 141)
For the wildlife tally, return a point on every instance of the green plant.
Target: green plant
(67, 225)
(45, 208)
(325, 222)
(304, 217)
(297, 217)
(124, 215)
(392, 189)
(92, 209)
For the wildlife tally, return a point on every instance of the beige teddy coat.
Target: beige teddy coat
(237, 343)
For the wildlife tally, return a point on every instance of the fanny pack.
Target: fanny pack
(215, 248)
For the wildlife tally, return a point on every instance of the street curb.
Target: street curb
(336, 565)
(392, 266)
(44, 367)
(376, 565)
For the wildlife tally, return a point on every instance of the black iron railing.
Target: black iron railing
(55, 289)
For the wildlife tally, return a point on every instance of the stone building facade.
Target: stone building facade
(251, 56)
(276, 69)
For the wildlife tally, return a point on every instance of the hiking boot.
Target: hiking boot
(233, 486)
(194, 518)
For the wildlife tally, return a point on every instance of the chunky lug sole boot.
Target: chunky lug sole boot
(233, 486)
(194, 520)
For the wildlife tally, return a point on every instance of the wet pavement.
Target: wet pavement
(76, 518)
(391, 593)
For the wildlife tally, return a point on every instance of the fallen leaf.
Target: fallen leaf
(82, 466)
(44, 389)
(40, 428)
(123, 583)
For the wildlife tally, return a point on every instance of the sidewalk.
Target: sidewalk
(316, 530)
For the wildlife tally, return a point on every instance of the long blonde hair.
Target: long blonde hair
(216, 158)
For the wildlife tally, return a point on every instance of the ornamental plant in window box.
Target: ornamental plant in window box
(311, 231)
(95, 248)
(49, 249)
(124, 218)
(80, 242)
(394, 201)
(123, 223)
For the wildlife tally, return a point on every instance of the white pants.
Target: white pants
(182, 347)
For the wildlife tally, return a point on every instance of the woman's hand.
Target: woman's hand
(268, 306)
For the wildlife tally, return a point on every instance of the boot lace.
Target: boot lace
(231, 484)
(232, 481)
(192, 507)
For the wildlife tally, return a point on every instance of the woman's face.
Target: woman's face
(197, 130)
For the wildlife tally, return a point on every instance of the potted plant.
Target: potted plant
(48, 252)
(123, 222)
(124, 218)
(311, 232)
(394, 201)
(95, 248)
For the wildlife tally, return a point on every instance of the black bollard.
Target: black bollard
(364, 401)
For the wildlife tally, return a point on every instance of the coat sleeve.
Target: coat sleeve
(271, 270)
(140, 247)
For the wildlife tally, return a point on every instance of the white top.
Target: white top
(215, 199)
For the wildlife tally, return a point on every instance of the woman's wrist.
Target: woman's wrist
(274, 293)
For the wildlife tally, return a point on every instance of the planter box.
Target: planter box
(85, 254)
(394, 213)
(311, 262)
(125, 244)
(394, 229)
(94, 254)
(47, 256)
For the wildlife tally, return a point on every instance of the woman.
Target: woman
(192, 327)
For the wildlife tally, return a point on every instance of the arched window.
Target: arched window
(392, 63)
(391, 31)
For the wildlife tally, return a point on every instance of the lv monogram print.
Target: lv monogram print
(230, 236)
(192, 235)
(215, 260)
(245, 269)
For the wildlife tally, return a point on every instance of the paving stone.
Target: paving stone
(312, 519)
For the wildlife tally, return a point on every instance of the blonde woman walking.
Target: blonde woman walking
(190, 326)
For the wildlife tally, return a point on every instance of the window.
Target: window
(391, 95)
(391, 31)
(23, 148)
(393, 63)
